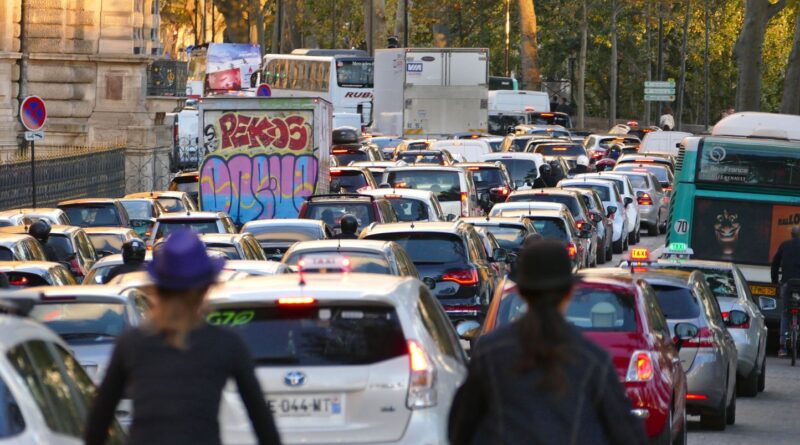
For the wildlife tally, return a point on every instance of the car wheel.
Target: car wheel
(639, 234)
(730, 419)
(748, 386)
(762, 378)
(627, 243)
(682, 437)
(600, 258)
(632, 238)
(610, 251)
(619, 245)
(652, 229)
(718, 419)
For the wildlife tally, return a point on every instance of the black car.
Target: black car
(559, 224)
(331, 208)
(349, 153)
(452, 261)
(276, 236)
(492, 181)
(604, 226)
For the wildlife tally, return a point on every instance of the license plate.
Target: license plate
(768, 291)
(306, 406)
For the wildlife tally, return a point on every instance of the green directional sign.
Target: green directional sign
(662, 91)
(659, 97)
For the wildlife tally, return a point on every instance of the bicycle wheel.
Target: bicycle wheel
(793, 344)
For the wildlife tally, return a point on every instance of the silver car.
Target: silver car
(653, 201)
(351, 358)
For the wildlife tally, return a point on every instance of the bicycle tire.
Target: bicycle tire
(793, 345)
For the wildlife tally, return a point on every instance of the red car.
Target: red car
(621, 314)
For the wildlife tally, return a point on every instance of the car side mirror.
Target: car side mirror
(767, 303)
(685, 332)
(450, 217)
(468, 330)
(586, 234)
(336, 186)
(628, 201)
(737, 319)
(612, 210)
(596, 218)
(430, 282)
(500, 255)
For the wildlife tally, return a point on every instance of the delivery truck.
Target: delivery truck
(431, 93)
(263, 156)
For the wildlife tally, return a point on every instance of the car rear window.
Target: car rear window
(6, 254)
(603, 192)
(340, 261)
(346, 156)
(550, 227)
(318, 335)
(279, 233)
(428, 248)
(560, 150)
(487, 177)
(229, 251)
(21, 280)
(661, 173)
(84, 323)
(93, 215)
(62, 247)
(446, 185)
(172, 204)
(509, 237)
(408, 209)
(107, 242)
(522, 171)
(138, 209)
(677, 303)
(349, 181)
(720, 281)
(195, 225)
(639, 182)
(518, 144)
(570, 201)
(433, 157)
(332, 212)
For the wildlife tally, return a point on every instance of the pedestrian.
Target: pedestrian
(348, 226)
(133, 255)
(666, 121)
(554, 103)
(538, 380)
(564, 106)
(175, 366)
(786, 266)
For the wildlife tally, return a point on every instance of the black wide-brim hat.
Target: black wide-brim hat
(544, 265)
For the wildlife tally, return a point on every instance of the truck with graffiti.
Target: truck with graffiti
(263, 156)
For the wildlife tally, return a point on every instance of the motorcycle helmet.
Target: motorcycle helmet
(349, 224)
(582, 160)
(133, 250)
(40, 230)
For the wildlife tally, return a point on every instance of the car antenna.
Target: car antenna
(302, 277)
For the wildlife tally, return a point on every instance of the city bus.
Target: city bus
(343, 78)
(736, 196)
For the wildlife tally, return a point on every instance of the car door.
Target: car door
(758, 323)
(669, 360)
(726, 347)
(478, 257)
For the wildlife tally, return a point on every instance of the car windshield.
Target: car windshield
(408, 209)
(79, 322)
(195, 225)
(720, 281)
(61, 246)
(355, 73)
(639, 181)
(107, 242)
(138, 209)
(345, 157)
(487, 177)
(570, 201)
(428, 248)
(93, 215)
(677, 303)
(316, 335)
(279, 233)
(501, 123)
(6, 254)
(227, 250)
(522, 171)
(172, 204)
(332, 212)
(432, 157)
(661, 173)
(550, 119)
(341, 260)
(349, 181)
(509, 237)
(446, 185)
(550, 227)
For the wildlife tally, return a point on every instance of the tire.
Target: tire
(730, 419)
(682, 437)
(627, 243)
(747, 386)
(600, 258)
(632, 238)
(639, 235)
(652, 229)
(717, 420)
(793, 346)
(618, 246)
(662, 229)
(762, 378)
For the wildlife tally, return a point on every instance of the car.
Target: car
(523, 168)
(100, 270)
(24, 274)
(354, 358)
(172, 201)
(648, 158)
(550, 118)
(95, 212)
(410, 144)
(27, 216)
(452, 261)
(453, 186)
(198, 222)
(436, 157)
(597, 145)
(143, 213)
(70, 245)
(331, 208)
(19, 247)
(492, 181)
(187, 182)
(470, 150)
(351, 180)
(550, 131)
(568, 151)
(109, 240)
(234, 246)
(621, 315)
(256, 268)
(653, 201)
(412, 205)
(574, 201)
(497, 255)
(741, 313)
(612, 201)
(37, 410)
(709, 356)
(359, 256)
(375, 167)
(509, 232)
(630, 204)
(349, 153)
(560, 225)
(603, 224)
(661, 172)
(275, 236)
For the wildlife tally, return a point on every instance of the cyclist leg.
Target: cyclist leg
(785, 318)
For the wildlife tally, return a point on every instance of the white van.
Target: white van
(465, 150)
(518, 101)
(663, 142)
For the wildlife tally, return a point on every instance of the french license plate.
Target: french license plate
(767, 291)
(306, 406)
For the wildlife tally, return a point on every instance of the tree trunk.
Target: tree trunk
(277, 23)
(791, 84)
(291, 32)
(682, 73)
(748, 51)
(399, 21)
(580, 93)
(258, 10)
(649, 73)
(380, 28)
(612, 88)
(237, 29)
(529, 52)
(369, 28)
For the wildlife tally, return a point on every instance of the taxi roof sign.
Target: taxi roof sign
(639, 254)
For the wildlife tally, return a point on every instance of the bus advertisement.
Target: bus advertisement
(221, 68)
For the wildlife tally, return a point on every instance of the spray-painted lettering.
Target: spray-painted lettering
(240, 130)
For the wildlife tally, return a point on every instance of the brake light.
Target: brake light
(340, 151)
(464, 201)
(704, 339)
(303, 210)
(644, 199)
(473, 169)
(546, 114)
(726, 317)
(422, 379)
(597, 154)
(296, 301)
(640, 368)
(667, 188)
(336, 172)
(580, 224)
(572, 251)
(502, 191)
(696, 397)
(465, 309)
(76, 267)
(21, 281)
(467, 277)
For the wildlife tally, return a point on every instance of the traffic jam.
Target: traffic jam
(368, 247)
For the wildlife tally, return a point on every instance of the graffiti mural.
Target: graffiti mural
(264, 166)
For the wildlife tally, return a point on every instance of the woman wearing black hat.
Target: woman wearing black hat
(175, 366)
(538, 380)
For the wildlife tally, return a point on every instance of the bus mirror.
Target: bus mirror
(255, 79)
(364, 109)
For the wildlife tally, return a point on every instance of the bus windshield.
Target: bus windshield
(354, 73)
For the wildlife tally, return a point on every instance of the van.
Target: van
(465, 150)
(520, 100)
(663, 142)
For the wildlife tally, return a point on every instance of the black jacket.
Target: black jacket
(786, 262)
(124, 268)
(344, 235)
(498, 405)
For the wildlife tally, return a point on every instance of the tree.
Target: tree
(529, 52)
(580, 92)
(237, 26)
(748, 51)
(790, 104)
(613, 80)
(682, 81)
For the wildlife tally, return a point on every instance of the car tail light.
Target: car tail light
(644, 199)
(422, 381)
(580, 224)
(502, 191)
(745, 325)
(296, 301)
(336, 172)
(464, 201)
(20, 281)
(696, 397)
(76, 267)
(466, 309)
(572, 250)
(667, 189)
(640, 368)
(466, 277)
(704, 339)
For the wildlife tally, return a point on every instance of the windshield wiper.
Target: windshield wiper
(72, 335)
(276, 360)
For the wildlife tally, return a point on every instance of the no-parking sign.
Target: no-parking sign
(33, 113)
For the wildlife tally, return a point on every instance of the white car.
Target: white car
(612, 200)
(453, 187)
(663, 142)
(524, 168)
(469, 149)
(350, 358)
(503, 208)
(18, 217)
(198, 222)
(410, 204)
(630, 203)
(38, 410)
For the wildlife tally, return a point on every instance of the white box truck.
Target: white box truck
(431, 93)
